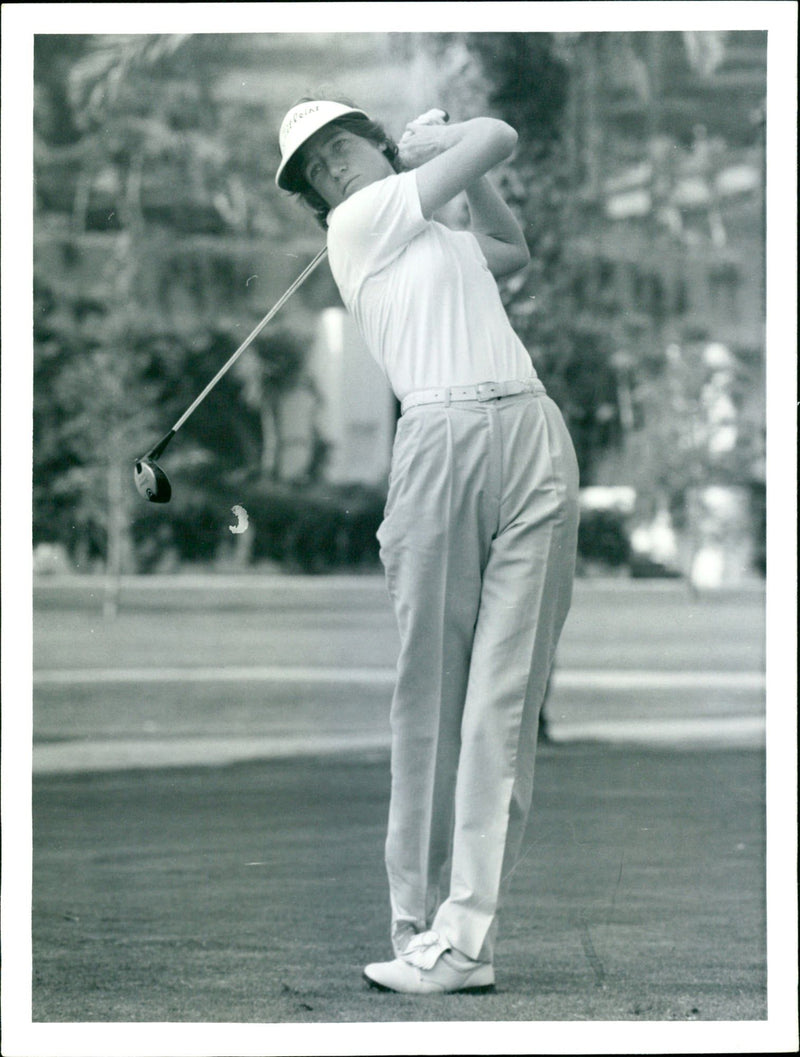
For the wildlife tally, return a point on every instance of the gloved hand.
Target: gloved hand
(423, 138)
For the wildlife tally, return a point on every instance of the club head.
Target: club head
(151, 481)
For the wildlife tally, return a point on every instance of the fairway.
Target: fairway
(255, 893)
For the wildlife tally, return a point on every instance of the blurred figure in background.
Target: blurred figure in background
(479, 535)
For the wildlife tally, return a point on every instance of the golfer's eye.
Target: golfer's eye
(340, 147)
(313, 171)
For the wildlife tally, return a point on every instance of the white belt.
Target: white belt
(482, 392)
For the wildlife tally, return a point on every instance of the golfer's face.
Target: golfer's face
(337, 163)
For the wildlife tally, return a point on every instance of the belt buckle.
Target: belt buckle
(487, 391)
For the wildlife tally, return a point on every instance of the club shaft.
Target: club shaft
(250, 338)
(156, 451)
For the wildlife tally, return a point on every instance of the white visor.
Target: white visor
(301, 123)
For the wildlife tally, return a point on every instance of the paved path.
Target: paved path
(320, 723)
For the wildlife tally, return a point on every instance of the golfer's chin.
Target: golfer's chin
(356, 183)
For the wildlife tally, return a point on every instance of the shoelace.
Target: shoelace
(424, 950)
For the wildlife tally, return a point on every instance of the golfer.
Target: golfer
(479, 533)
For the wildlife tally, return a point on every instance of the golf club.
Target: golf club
(150, 480)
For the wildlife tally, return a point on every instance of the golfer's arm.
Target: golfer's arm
(466, 151)
(496, 229)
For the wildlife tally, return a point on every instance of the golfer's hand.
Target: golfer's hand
(424, 138)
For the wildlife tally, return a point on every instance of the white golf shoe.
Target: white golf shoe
(429, 966)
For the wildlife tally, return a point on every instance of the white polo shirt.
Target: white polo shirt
(422, 295)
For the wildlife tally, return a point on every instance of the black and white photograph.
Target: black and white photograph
(399, 528)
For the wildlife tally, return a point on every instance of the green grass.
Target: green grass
(255, 894)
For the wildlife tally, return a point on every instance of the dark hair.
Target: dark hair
(359, 126)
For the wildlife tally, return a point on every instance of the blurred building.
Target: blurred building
(667, 136)
(666, 253)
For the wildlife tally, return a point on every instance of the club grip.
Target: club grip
(436, 116)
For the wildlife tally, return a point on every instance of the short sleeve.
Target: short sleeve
(368, 231)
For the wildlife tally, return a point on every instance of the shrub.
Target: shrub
(603, 538)
(304, 528)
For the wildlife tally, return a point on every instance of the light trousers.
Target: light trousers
(478, 544)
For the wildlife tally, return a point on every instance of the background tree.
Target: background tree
(136, 160)
(271, 368)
